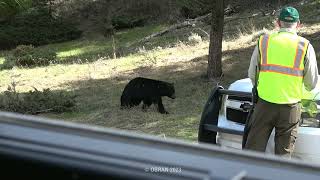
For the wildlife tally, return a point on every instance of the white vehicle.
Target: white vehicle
(226, 111)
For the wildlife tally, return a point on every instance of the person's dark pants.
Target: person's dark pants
(266, 116)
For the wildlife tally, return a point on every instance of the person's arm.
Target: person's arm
(254, 68)
(310, 78)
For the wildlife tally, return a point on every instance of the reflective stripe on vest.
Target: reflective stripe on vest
(282, 70)
(264, 43)
(293, 71)
(299, 54)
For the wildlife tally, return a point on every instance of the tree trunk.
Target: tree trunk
(215, 48)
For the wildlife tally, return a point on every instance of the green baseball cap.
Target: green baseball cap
(289, 14)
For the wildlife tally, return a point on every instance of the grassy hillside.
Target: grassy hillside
(87, 69)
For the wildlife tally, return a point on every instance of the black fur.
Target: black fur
(148, 91)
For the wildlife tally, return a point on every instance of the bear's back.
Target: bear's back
(141, 86)
(141, 81)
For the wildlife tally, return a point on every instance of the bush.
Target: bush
(194, 39)
(35, 27)
(35, 101)
(27, 55)
(11, 7)
(194, 8)
(123, 22)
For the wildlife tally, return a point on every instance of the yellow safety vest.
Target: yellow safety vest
(281, 67)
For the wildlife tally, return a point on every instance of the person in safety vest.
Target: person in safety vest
(283, 64)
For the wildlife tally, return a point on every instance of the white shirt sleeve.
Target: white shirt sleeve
(310, 73)
(254, 67)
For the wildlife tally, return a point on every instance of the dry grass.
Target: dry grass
(99, 84)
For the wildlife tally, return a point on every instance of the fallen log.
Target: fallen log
(192, 22)
(189, 22)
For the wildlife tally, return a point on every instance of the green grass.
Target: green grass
(2, 56)
(2, 59)
(84, 50)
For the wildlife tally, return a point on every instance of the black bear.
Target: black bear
(148, 91)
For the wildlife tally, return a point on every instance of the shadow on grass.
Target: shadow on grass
(98, 100)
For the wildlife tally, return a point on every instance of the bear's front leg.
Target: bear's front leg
(161, 107)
